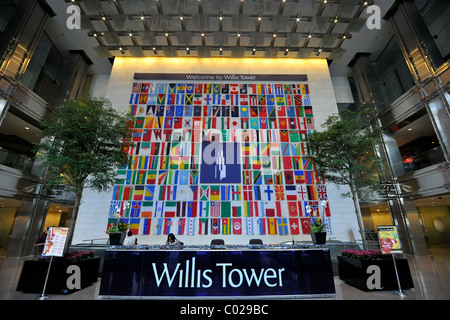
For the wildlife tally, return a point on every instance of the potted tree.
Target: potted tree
(343, 153)
(82, 145)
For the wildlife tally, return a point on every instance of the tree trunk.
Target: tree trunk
(359, 216)
(73, 219)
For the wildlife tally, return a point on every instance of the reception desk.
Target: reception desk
(230, 273)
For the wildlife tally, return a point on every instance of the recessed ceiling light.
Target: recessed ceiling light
(26, 128)
(409, 129)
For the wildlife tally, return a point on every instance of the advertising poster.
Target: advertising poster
(55, 242)
(389, 240)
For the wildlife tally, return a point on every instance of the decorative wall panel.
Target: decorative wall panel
(219, 158)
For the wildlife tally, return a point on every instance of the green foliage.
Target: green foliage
(317, 225)
(344, 151)
(83, 144)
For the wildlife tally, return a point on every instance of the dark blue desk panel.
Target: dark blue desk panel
(227, 273)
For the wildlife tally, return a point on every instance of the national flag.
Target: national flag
(302, 193)
(172, 88)
(225, 209)
(244, 110)
(214, 209)
(147, 209)
(292, 208)
(248, 208)
(168, 225)
(257, 177)
(215, 226)
(291, 193)
(114, 208)
(143, 98)
(281, 208)
(117, 193)
(236, 192)
(236, 208)
(128, 193)
(226, 225)
(214, 193)
(247, 177)
(125, 208)
(136, 87)
(236, 225)
(203, 210)
(133, 225)
(184, 193)
(203, 226)
(247, 192)
(322, 192)
(279, 193)
(260, 226)
(198, 87)
(312, 192)
(146, 226)
(294, 226)
(283, 227)
(158, 226)
(159, 209)
(204, 193)
(306, 225)
(138, 193)
(277, 175)
(225, 192)
(271, 225)
(181, 208)
(180, 225)
(311, 177)
(299, 176)
(288, 177)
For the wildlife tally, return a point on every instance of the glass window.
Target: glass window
(7, 8)
(394, 76)
(45, 70)
(417, 142)
(435, 14)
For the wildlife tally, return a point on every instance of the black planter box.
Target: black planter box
(117, 238)
(354, 272)
(33, 275)
(319, 237)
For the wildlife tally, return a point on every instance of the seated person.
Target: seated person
(172, 241)
(130, 241)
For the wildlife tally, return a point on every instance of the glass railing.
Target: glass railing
(423, 160)
(16, 161)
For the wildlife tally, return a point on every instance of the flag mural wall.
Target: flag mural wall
(219, 159)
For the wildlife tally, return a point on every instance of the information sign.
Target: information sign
(55, 242)
(389, 240)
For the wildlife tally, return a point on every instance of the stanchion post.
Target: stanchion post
(399, 292)
(43, 297)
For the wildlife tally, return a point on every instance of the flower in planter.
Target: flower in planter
(317, 225)
(79, 255)
(363, 254)
(117, 226)
(316, 222)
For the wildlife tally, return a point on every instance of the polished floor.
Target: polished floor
(430, 273)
